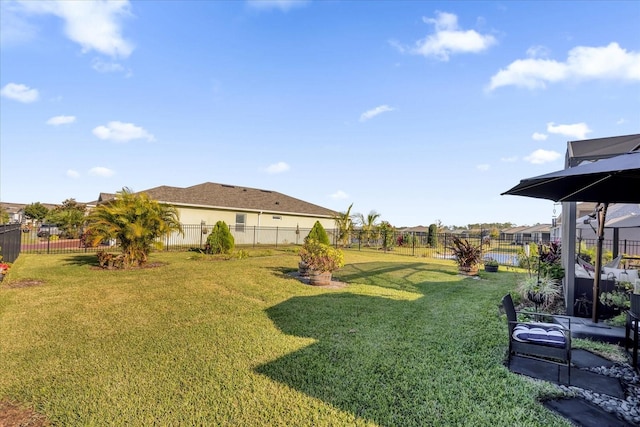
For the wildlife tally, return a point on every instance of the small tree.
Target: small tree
(136, 221)
(318, 233)
(4, 216)
(432, 237)
(387, 232)
(36, 211)
(344, 224)
(220, 241)
(70, 216)
(368, 225)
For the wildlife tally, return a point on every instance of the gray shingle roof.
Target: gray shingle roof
(233, 197)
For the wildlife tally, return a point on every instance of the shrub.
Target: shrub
(136, 221)
(491, 262)
(318, 233)
(466, 254)
(550, 261)
(220, 241)
(387, 232)
(541, 290)
(320, 257)
(432, 238)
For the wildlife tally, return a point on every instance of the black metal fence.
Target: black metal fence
(505, 251)
(10, 242)
(194, 236)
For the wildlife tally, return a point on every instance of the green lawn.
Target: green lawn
(198, 342)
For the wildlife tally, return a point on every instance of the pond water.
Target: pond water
(504, 259)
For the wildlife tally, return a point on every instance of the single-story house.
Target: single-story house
(16, 211)
(524, 234)
(243, 209)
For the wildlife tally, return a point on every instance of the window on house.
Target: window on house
(241, 220)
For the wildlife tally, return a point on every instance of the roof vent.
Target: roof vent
(277, 203)
(228, 186)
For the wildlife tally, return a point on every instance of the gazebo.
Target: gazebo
(578, 152)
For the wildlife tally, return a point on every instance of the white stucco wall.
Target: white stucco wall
(260, 228)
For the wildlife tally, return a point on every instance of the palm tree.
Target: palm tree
(136, 221)
(367, 224)
(344, 224)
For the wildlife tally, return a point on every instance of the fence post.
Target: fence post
(276, 237)
(10, 241)
(413, 243)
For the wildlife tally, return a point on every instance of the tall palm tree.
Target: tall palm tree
(344, 224)
(368, 224)
(136, 221)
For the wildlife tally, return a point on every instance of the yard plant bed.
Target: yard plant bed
(407, 342)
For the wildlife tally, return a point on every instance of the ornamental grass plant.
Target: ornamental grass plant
(196, 341)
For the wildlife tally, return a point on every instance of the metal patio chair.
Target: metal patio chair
(631, 329)
(550, 342)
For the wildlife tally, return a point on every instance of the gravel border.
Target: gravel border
(627, 409)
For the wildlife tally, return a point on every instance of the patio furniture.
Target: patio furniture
(631, 329)
(583, 288)
(550, 342)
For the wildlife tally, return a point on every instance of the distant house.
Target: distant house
(242, 208)
(16, 211)
(525, 234)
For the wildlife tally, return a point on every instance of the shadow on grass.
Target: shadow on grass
(411, 277)
(388, 359)
(362, 362)
(89, 259)
(282, 271)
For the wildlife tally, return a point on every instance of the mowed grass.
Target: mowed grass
(196, 342)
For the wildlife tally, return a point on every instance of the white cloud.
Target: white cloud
(374, 112)
(621, 121)
(61, 120)
(537, 136)
(610, 62)
(539, 157)
(106, 67)
(339, 195)
(73, 174)
(509, 159)
(448, 39)
(94, 25)
(14, 28)
(101, 171)
(538, 52)
(283, 5)
(122, 132)
(577, 130)
(483, 167)
(19, 92)
(277, 168)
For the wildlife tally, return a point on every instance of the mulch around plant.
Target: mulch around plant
(140, 267)
(15, 415)
(335, 284)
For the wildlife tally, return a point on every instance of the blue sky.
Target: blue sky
(421, 111)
